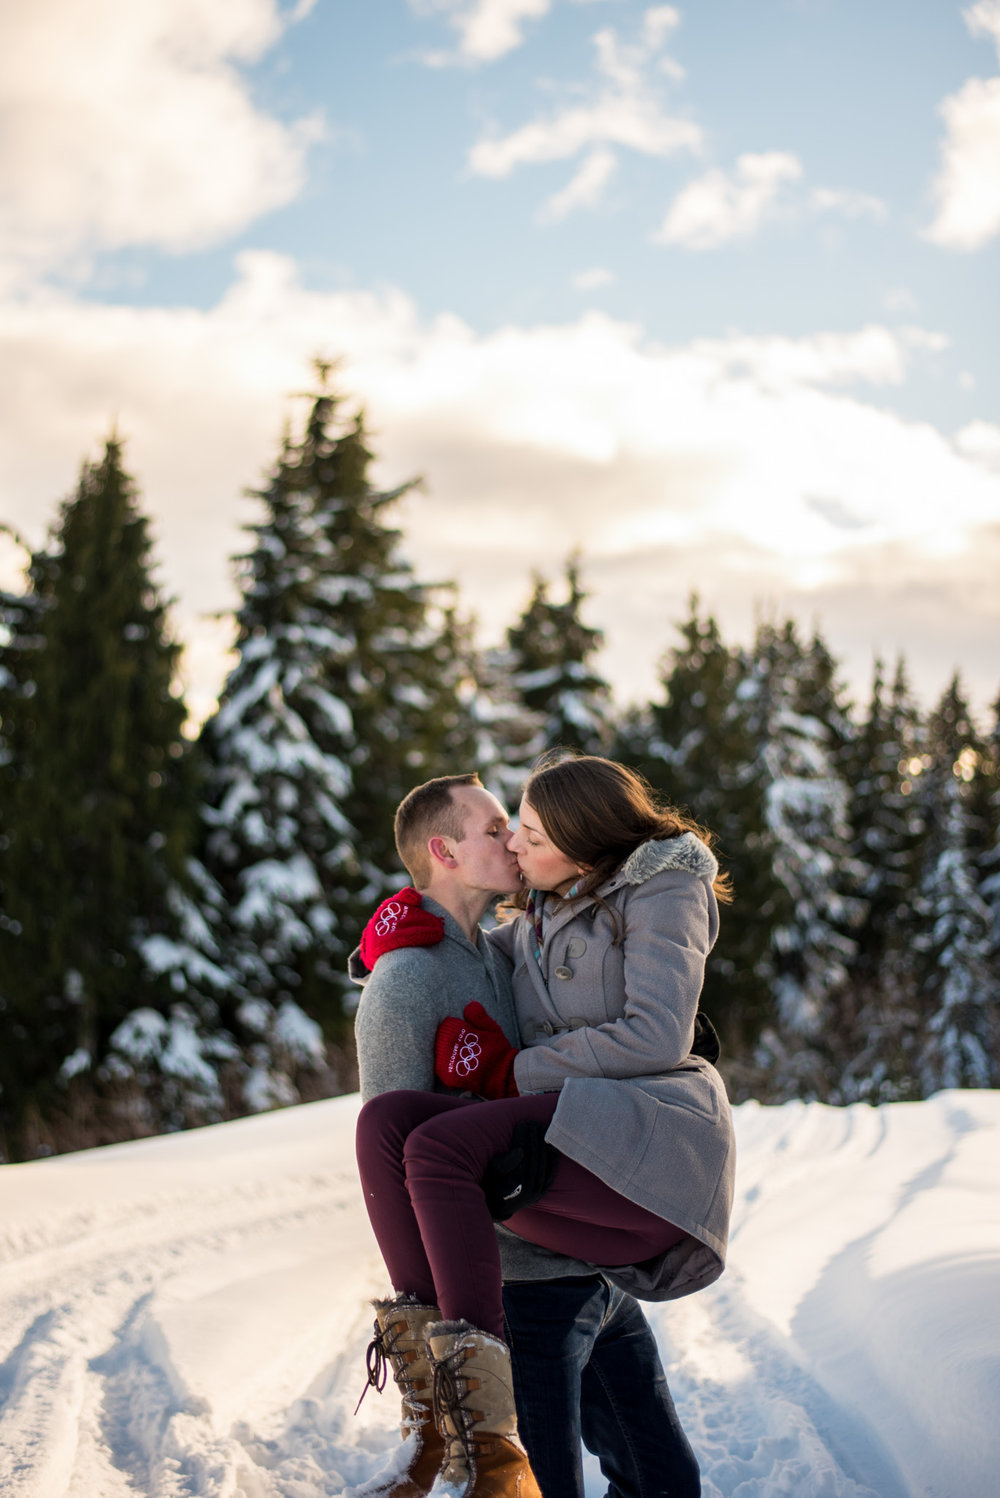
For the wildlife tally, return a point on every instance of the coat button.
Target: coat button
(564, 972)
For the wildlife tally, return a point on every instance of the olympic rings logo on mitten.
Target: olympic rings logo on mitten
(469, 1052)
(390, 918)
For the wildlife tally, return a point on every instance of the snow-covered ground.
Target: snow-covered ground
(188, 1315)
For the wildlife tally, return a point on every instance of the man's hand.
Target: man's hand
(475, 1055)
(400, 921)
(706, 1039)
(523, 1174)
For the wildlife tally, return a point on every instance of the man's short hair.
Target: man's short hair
(429, 811)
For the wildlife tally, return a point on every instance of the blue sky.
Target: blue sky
(708, 292)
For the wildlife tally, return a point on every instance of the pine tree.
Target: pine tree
(887, 825)
(345, 689)
(279, 843)
(509, 735)
(396, 670)
(100, 811)
(988, 801)
(805, 806)
(398, 685)
(454, 712)
(694, 747)
(961, 1024)
(20, 639)
(550, 660)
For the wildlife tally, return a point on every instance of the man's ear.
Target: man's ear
(440, 850)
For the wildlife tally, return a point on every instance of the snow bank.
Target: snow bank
(187, 1315)
(865, 1269)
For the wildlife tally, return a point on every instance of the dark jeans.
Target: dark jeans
(585, 1363)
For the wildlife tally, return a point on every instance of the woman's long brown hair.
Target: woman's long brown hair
(597, 812)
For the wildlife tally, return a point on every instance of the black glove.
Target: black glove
(520, 1177)
(706, 1041)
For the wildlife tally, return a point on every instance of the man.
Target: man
(584, 1359)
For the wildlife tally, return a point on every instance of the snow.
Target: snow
(78, 1062)
(186, 1316)
(174, 1043)
(272, 882)
(299, 1035)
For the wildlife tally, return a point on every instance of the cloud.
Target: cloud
(487, 29)
(14, 559)
(746, 467)
(980, 440)
(593, 278)
(718, 207)
(849, 203)
(874, 355)
(900, 299)
(626, 110)
(967, 187)
(586, 189)
(835, 512)
(130, 124)
(891, 603)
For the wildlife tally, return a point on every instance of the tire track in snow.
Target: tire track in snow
(87, 1344)
(169, 1444)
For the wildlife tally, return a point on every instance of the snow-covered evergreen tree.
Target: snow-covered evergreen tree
(694, 747)
(989, 861)
(550, 654)
(881, 1012)
(962, 1035)
(961, 1013)
(279, 843)
(805, 809)
(455, 712)
(345, 689)
(397, 677)
(509, 735)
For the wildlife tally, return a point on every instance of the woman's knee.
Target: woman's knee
(390, 1116)
(375, 1113)
(442, 1141)
(393, 1105)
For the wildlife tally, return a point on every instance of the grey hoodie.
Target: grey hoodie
(405, 999)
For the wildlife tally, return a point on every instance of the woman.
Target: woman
(619, 914)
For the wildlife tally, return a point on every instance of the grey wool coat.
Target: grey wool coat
(610, 1026)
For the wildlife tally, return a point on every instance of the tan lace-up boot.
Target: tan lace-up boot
(474, 1405)
(400, 1341)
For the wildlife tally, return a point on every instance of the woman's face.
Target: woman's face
(542, 864)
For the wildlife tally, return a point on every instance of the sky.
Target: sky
(707, 294)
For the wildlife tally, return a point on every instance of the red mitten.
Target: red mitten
(475, 1055)
(400, 921)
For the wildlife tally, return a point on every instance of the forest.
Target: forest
(177, 906)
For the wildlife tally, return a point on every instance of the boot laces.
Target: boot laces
(376, 1363)
(447, 1400)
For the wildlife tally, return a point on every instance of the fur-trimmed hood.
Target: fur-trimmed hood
(656, 856)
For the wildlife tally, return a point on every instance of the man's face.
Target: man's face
(484, 862)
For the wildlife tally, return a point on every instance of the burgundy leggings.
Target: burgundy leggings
(422, 1156)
